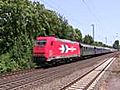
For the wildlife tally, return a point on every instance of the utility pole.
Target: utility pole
(93, 30)
(116, 36)
(106, 40)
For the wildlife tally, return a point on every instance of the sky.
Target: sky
(104, 14)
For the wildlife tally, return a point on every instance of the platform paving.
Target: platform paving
(111, 81)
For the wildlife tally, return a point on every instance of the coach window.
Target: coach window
(84, 48)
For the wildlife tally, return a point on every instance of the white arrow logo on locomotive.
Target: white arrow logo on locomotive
(65, 49)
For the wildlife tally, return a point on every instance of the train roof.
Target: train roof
(92, 46)
(66, 41)
(102, 47)
(85, 45)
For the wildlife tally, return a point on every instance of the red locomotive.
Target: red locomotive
(51, 48)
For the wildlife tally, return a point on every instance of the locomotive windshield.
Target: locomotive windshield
(41, 42)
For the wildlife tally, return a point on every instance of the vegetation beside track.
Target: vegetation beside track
(23, 20)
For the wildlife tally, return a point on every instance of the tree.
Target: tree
(21, 21)
(78, 35)
(88, 39)
(116, 44)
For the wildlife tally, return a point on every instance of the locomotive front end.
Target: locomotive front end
(39, 50)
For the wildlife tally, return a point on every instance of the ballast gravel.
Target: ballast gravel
(59, 83)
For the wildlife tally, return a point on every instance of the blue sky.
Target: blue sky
(104, 14)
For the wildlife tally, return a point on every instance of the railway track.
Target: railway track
(89, 79)
(28, 78)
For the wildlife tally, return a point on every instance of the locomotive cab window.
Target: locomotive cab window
(41, 42)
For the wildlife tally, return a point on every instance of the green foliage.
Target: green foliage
(78, 35)
(16, 39)
(7, 64)
(116, 44)
(23, 20)
(88, 39)
(98, 43)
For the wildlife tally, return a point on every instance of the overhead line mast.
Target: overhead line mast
(93, 30)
